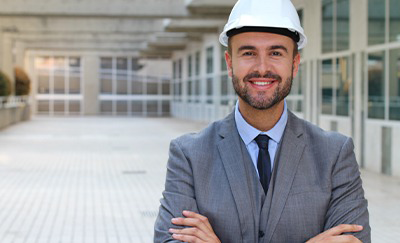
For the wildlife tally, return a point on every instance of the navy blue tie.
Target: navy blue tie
(264, 161)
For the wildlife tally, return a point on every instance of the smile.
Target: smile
(262, 83)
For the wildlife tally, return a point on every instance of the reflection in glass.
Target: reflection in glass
(394, 21)
(343, 86)
(327, 26)
(394, 85)
(106, 106)
(376, 22)
(106, 86)
(74, 62)
(209, 90)
(152, 108)
(342, 24)
(197, 64)
(59, 63)
(223, 62)
(165, 87)
(376, 85)
(327, 87)
(189, 65)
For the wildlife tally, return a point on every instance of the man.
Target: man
(262, 174)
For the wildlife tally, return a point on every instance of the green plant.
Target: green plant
(5, 84)
(22, 82)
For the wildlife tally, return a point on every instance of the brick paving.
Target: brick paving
(99, 180)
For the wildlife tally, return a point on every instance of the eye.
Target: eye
(248, 53)
(276, 53)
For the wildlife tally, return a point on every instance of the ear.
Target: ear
(228, 60)
(296, 63)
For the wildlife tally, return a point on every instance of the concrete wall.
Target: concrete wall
(14, 115)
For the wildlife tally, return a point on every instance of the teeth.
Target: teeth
(262, 83)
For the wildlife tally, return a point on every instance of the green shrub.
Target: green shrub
(22, 82)
(5, 84)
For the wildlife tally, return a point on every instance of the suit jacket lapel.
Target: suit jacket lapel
(232, 158)
(292, 147)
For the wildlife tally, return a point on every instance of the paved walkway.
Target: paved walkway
(95, 180)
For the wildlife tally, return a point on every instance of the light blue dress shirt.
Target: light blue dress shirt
(249, 133)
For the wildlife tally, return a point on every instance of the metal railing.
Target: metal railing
(13, 101)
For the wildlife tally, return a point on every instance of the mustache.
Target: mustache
(258, 75)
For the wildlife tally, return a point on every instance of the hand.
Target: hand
(200, 231)
(335, 234)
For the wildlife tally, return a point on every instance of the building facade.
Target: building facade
(157, 58)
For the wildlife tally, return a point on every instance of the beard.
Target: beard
(260, 100)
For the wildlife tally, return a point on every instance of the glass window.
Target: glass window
(394, 21)
(166, 87)
(342, 24)
(106, 106)
(327, 87)
(74, 106)
(106, 84)
(394, 85)
(59, 106)
(327, 26)
(122, 64)
(122, 107)
(122, 84)
(137, 106)
(343, 86)
(74, 62)
(189, 66)
(166, 107)
(174, 70)
(59, 63)
(376, 85)
(180, 68)
(152, 107)
(197, 64)
(137, 85)
(106, 63)
(44, 85)
(59, 84)
(136, 65)
(223, 62)
(43, 106)
(74, 85)
(152, 86)
(209, 61)
(376, 22)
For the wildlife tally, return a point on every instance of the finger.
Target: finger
(343, 239)
(190, 231)
(343, 228)
(191, 222)
(202, 218)
(186, 238)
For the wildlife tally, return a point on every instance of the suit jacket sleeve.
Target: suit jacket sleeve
(347, 204)
(178, 194)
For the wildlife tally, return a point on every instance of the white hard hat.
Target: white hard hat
(276, 16)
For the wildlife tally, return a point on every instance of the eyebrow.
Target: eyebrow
(276, 47)
(279, 47)
(242, 48)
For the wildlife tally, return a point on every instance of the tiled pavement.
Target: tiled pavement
(99, 180)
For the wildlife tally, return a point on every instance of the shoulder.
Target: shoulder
(203, 139)
(318, 137)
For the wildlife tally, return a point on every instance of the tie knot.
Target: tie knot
(262, 141)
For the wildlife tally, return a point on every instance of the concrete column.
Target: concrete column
(91, 84)
(19, 54)
(7, 60)
(358, 43)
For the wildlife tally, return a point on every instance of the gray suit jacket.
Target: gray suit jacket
(315, 185)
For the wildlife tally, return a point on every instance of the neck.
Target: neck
(263, 120)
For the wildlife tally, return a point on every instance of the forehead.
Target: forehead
(260, 40)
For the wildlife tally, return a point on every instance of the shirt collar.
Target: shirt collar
(248, 132)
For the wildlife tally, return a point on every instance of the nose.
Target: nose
(262, 65)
